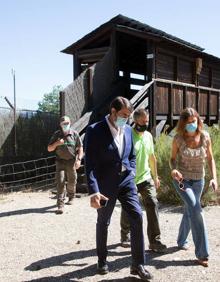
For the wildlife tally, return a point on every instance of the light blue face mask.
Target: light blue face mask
(191, 127)
(120, 122)
(65, 127)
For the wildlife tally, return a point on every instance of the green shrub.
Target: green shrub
(208, 196)
(167, 192)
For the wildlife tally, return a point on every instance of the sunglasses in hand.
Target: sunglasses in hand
(181, 185)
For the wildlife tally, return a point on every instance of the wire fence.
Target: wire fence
(34, 174)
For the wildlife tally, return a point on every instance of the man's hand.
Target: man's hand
(95, 200)
(77, 164)
(59, 142)
(176, 175)
(53, 146)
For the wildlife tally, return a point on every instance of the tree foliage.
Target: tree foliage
(50, 102)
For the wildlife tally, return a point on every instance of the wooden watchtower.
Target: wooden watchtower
(152, 68)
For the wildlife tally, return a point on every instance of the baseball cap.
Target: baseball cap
(64, 119)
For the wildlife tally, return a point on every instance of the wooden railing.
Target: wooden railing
(165, 99)
(172, 96)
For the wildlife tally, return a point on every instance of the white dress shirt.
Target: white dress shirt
(118, 136)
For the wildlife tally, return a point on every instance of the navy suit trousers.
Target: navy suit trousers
(130, 203)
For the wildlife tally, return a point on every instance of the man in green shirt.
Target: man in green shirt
(147, 182)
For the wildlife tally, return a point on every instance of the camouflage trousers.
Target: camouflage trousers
(66, 178)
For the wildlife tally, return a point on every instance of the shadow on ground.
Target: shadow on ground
(27, 211)
(84, 270)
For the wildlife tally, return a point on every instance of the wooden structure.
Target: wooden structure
(148, 66)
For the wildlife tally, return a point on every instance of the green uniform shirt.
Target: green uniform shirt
(72, 143)
(144, 147)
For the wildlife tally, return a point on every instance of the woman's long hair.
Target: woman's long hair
(185, 114)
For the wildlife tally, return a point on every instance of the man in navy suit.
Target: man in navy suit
(110, 168)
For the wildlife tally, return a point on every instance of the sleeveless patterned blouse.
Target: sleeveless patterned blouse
(191, 162)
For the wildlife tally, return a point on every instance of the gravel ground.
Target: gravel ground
(38, 245)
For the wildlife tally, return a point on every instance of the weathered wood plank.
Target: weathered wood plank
(136, 98)
(160, 127)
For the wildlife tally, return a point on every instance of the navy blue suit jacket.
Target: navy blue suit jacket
(102, 160)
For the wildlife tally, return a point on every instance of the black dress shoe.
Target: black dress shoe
(102, 268)
(141, 272)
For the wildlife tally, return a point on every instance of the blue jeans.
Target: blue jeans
(193, 217)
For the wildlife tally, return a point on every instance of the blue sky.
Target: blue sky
(33, 32)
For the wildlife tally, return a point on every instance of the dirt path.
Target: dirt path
(37, 245)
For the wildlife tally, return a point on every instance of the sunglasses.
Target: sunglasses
(181, 185)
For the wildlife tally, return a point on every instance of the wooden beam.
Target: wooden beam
(176, 74)
(137, 33)
(94, 36)
(160, 127)
(154, 88)
(197, 98)
(211, 77)
(218, 108)
(140, 93)
(184, 96)
(85, 52)
(81, 124)
(185, 84)
(76, 66)
(152, 114)
(150, 60)
(92, 55)
(208, 108)
(170, 105)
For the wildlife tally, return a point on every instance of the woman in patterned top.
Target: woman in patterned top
(191, 148)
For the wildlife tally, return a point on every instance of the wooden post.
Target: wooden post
(197, 99)
(126, 85)
(184, 96)
(218, 108)
(76, 66)
(151, 109)
(208, 108)
(176, 68)
(210, 77)
(150, 61)
(170, 105)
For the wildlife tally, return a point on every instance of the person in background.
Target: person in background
(191, 148)
(147, 182)
(69, 152)
(110, 169)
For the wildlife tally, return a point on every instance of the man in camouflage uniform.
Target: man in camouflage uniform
(69, 151)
